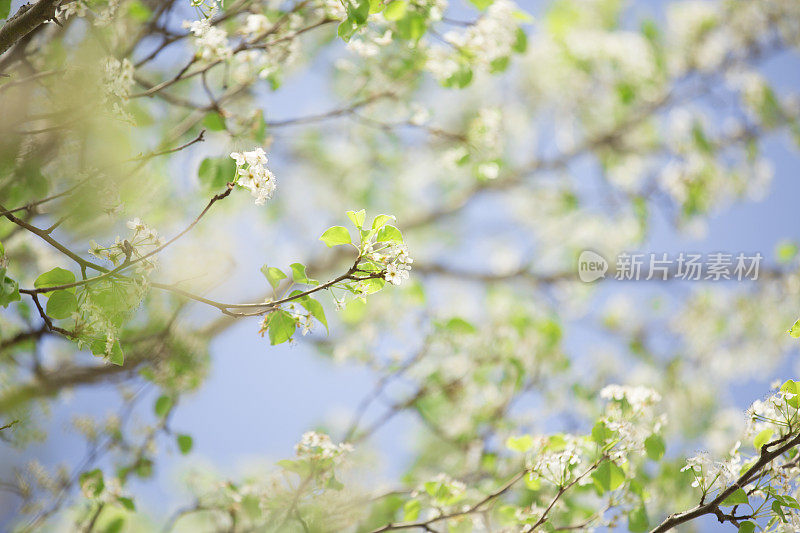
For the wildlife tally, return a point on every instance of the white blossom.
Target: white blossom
(315, 445)
(211, 42)
(253, 174)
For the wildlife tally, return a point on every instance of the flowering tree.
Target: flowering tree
(504, 141)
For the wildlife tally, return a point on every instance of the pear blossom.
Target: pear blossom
(253, 174)
(315, 445)
(211, 41)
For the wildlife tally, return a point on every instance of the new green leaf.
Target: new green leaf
(54, 278)
(608, 476)
(335, 236)
(162, 406)
(185, 443)
(273, 275)
(61, 304)
(281, 327)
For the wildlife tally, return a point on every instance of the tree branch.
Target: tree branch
(712, 507)
(27, 18)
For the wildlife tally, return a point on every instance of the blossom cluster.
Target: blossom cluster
(319, 446)
(253, 174)
(305, 320)
(393, 257)
(489, 40)
(266, 62)
(555, 458)
(709, 474)
(369, 45)
(211, 42)
(631, 417)
(67, 10)
(118, 78)
(637, 396)
(122, 249)
(777, 412)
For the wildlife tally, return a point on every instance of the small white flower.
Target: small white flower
(252, 174)
(136, 224)
(255, 25)
(211, 42)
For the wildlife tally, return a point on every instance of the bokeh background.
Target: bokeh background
(258, 399)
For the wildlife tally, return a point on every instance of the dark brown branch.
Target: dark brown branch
(25, 20)
(781, 445)
(108, 273)
(330, 114)
(145, 157)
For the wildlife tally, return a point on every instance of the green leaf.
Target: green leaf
(163, 406)
(411, 510)
(376, 6)
(747, 527)
(316, 310)
(144, 468)
(601, 434)
(738, 497)
(92, 483)
(776, 508)
(481, 4)
(762, 438)
(127, 503)
(215, 172)
(115, 355)
(412, 27)
(138, 11)
(389, 233)
(792, 387)
(459, 80)
(273, 275)
(460, 326)
(499, 64)
(5, 8)
(533, 482)
(520, 444)
(61, 304)
(788, 501)
(54, 278)
(608, 476)
(358, 10)
(520, 42)
(347, 28)
(396, 10)
(251, 506)
(281, 327)
(335, 236)
(185, 443)
(299, 274)
(214, 121)
(381, 220)
(655, 447)
(638, 521)
(786, 251)
(301, 468)
(794, 331)
(357, 217)
(9, 289)
(373, 285)
(116, 525)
